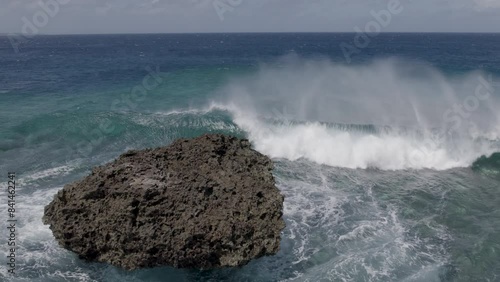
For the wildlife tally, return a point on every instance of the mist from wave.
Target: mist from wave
(390, 114)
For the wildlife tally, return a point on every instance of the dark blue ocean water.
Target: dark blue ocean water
(374, 153)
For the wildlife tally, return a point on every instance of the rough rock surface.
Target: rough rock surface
(203, 203)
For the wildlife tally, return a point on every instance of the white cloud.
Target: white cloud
(482, 5)
(110, 16)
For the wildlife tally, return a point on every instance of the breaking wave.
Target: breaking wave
(390, 114)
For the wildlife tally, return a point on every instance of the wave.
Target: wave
(488, 165)
(335, 146)
(344, 145)
(390, 114)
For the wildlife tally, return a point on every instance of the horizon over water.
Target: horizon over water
(388, 160)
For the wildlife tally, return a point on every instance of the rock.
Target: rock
(204, 203)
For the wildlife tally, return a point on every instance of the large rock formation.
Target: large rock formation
(203, 203)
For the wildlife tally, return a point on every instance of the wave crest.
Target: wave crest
(389, 114)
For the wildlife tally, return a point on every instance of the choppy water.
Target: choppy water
(376, 162)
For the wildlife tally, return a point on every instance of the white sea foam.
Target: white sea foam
(325, 145)
(50, 172)
(339, 230)
(288, 112)
(37, 248)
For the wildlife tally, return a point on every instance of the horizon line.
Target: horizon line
(254, 32)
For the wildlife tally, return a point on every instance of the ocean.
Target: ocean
(385, 153)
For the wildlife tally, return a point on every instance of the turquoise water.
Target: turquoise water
(383, 180)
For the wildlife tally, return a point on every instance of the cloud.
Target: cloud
(151, 16)
(482, 5)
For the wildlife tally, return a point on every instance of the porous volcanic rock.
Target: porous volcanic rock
(206, 202)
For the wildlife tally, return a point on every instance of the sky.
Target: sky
(179, 16)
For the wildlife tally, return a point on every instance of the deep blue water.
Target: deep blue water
(374, 155)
